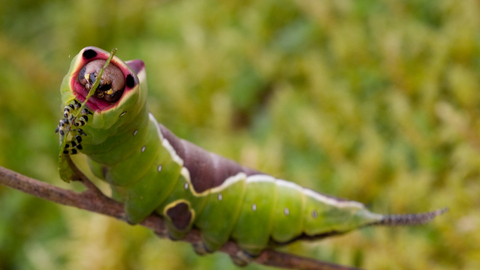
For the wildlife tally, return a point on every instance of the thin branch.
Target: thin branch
(95, 201)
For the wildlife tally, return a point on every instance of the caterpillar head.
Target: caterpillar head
(112, 82)
(120, 90)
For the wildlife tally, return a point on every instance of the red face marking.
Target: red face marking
(116, 80)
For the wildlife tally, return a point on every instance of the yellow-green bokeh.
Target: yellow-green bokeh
(375, 101)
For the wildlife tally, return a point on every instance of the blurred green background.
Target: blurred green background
(375, 101)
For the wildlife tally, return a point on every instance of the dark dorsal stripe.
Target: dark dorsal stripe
(180, 215)
(207, 170)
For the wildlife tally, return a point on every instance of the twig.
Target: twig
(95, 201)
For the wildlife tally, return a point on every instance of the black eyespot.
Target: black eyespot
(89, 54)
(130, 81)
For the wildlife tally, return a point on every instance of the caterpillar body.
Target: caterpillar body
(150, 170)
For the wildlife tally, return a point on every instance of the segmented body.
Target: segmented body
(150, 169)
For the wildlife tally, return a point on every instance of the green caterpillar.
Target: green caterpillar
(150, 170)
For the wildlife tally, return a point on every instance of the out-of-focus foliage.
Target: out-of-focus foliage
(376, 101)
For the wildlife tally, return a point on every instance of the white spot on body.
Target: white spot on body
(122, 114)
(254, 207)
(184, 172)
(286, 211)
(143, 148)
(186, 186)
(220, 197)
(159, 168)
(314, 214)
(135, 132)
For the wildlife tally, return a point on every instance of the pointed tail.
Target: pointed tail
(408, 219)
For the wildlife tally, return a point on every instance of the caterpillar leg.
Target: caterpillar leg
(69, 118)
(63, 123)
(200, 248)
(73, 106)
(86, 112)
(179, 219)
(205, 246)
(70, 151)
(242, 258)
(72, 147)
(80, 132)
(83, 119)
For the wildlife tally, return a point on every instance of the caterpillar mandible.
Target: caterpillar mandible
(149, 169)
